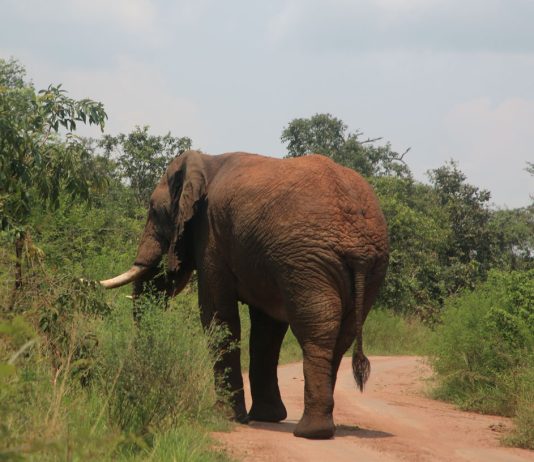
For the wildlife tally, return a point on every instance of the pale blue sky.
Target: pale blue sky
(448, 78)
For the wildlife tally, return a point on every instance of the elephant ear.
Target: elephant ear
(187, 185)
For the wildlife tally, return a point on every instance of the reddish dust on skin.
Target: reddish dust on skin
(391, 421)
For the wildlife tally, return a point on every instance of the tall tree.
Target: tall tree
(40, 155)
(142, 158)
(468, 253)
(328, 135)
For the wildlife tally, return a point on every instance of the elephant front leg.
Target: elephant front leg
(218, 304)
(227, 369)
(266, 336)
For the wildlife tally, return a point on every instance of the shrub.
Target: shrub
(523, 434)
(46, 414)
(162, 372)
(483, 353)
(140, 388)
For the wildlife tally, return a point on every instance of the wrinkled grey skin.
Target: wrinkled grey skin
(302, 241)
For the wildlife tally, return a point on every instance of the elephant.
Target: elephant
(302, 241)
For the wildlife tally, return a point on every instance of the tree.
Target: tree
(142, 158)
(513, 238)
(467, 255)
(417, 234)
(327, 135)
(40, 156)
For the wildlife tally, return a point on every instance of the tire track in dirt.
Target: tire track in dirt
(390, 421)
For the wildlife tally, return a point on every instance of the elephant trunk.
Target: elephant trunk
(133, 274)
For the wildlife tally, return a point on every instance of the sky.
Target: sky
(450, 79)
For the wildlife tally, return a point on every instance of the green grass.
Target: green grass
(387, 333)
(92, 386)
(483, 353)
(185, 442)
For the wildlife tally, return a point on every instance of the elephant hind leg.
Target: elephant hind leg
(317, 330)
(266, 336)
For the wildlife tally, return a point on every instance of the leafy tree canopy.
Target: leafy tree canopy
(40, 156)
(142, 158)
(328, 135)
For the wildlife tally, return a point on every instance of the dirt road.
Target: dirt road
(390, 421)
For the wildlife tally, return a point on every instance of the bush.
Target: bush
(483, 353)
(161, 373)
(46, 414)
(80, 382)
(523, 434)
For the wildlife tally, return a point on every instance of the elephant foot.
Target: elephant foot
(235, 412)
(240, 414)
(315, 427)
(242, 419)
(268, 412)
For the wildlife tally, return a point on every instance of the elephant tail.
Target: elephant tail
(361, 368)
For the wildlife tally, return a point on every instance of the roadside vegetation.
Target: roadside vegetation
(80, 380)
(483, 352)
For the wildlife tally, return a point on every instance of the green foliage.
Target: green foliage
(467, 254)
(42, 415)
(144, 389)
(36, 163)
(483, 353)
(161, 373)
(143, 158)
(40, 156)
(327, 135)
(512, 241)
(66, 322)
(90, 241)
(414, 282)
(523, 433)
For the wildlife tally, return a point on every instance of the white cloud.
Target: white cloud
(494, 142)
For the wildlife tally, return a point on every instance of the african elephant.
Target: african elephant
(301, 241)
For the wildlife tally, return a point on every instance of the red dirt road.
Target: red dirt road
(390, 421)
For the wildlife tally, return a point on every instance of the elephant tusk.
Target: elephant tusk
(134, 273)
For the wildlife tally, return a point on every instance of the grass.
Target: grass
(387, 333)
(483, 352)
(95, 387)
